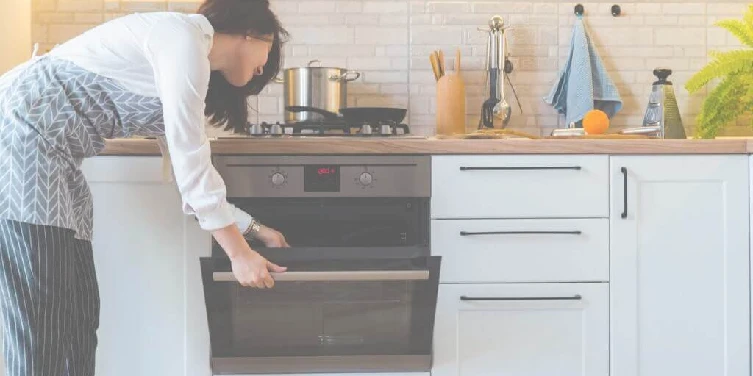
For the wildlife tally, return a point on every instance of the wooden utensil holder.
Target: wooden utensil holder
(451, 104)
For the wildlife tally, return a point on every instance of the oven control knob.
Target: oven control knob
(278, 178)
(365, 178)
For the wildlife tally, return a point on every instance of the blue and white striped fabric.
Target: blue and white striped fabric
(49, 301)
(583, 84)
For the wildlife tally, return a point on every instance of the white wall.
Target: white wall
(15, 33)
(390, 40)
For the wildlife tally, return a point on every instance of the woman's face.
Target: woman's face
(249, 59)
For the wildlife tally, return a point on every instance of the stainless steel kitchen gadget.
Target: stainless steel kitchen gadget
(496, 111)
(662, 118)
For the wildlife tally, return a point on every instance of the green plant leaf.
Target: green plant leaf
(733, 95)
(747, 82)
(739, 29)
(724, 63)
(722, 105)
(748, 17)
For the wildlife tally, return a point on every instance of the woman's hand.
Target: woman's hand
(249, 267)
(252, 270)
(271, 237)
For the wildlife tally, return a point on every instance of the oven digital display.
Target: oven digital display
(319, 178)
(321, 171)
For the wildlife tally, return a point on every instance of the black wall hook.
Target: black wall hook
(616, 10)
(579, 10)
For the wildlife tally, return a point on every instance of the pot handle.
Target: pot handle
(279, 80)
(344, 76)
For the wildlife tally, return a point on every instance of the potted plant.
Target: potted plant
(733, 96)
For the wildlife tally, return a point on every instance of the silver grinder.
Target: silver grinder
(662, 118)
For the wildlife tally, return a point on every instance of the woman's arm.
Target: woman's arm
(178, 55)
(270, 237)
(181, 72)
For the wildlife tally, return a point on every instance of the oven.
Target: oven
(360, 291)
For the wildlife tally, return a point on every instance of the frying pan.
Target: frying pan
(358, 115)
(329, 115)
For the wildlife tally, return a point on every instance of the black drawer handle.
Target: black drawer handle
(511, 168)
(468, 233)
(625, 188)
(529, 298)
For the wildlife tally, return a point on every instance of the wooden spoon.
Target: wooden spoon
(441, 63)
(434, 65)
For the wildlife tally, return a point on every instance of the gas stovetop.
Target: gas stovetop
(325, 129)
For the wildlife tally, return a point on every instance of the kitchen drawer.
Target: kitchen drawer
(522, 330)
(522, 250)
(525, 186)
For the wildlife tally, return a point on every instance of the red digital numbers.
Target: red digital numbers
(326, 171)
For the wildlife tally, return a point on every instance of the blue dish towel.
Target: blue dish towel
(583, 83)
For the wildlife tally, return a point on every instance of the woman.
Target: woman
(157, 74)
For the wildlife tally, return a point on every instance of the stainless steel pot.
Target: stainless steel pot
(325, 88)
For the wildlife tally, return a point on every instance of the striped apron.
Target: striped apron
(54, 114)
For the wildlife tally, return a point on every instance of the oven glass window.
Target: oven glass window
(323, 318)
(304, 319)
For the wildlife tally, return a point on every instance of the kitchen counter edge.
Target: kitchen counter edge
(326, 145)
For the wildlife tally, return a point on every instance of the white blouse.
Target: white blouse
(166, 55)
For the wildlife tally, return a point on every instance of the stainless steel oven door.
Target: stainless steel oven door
(334, 310)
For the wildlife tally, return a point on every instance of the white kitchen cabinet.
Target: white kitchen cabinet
(520, 186)
(198, 243)
(522, 330)
(145, 252)
(522, 250)
(679, 266)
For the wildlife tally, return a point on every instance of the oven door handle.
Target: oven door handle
(337, 276)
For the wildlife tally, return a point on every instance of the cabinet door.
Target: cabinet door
(139, 255)
(522, 330)
(198, 243)
(679, 266)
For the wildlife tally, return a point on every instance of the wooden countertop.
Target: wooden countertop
(336, 145)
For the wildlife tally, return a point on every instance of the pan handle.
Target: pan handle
(344, 76)
(325, 113)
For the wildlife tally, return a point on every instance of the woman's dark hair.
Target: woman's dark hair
(225, 103)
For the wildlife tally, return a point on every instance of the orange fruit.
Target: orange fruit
(595, 122)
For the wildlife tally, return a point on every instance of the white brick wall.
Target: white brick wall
(389, 41)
